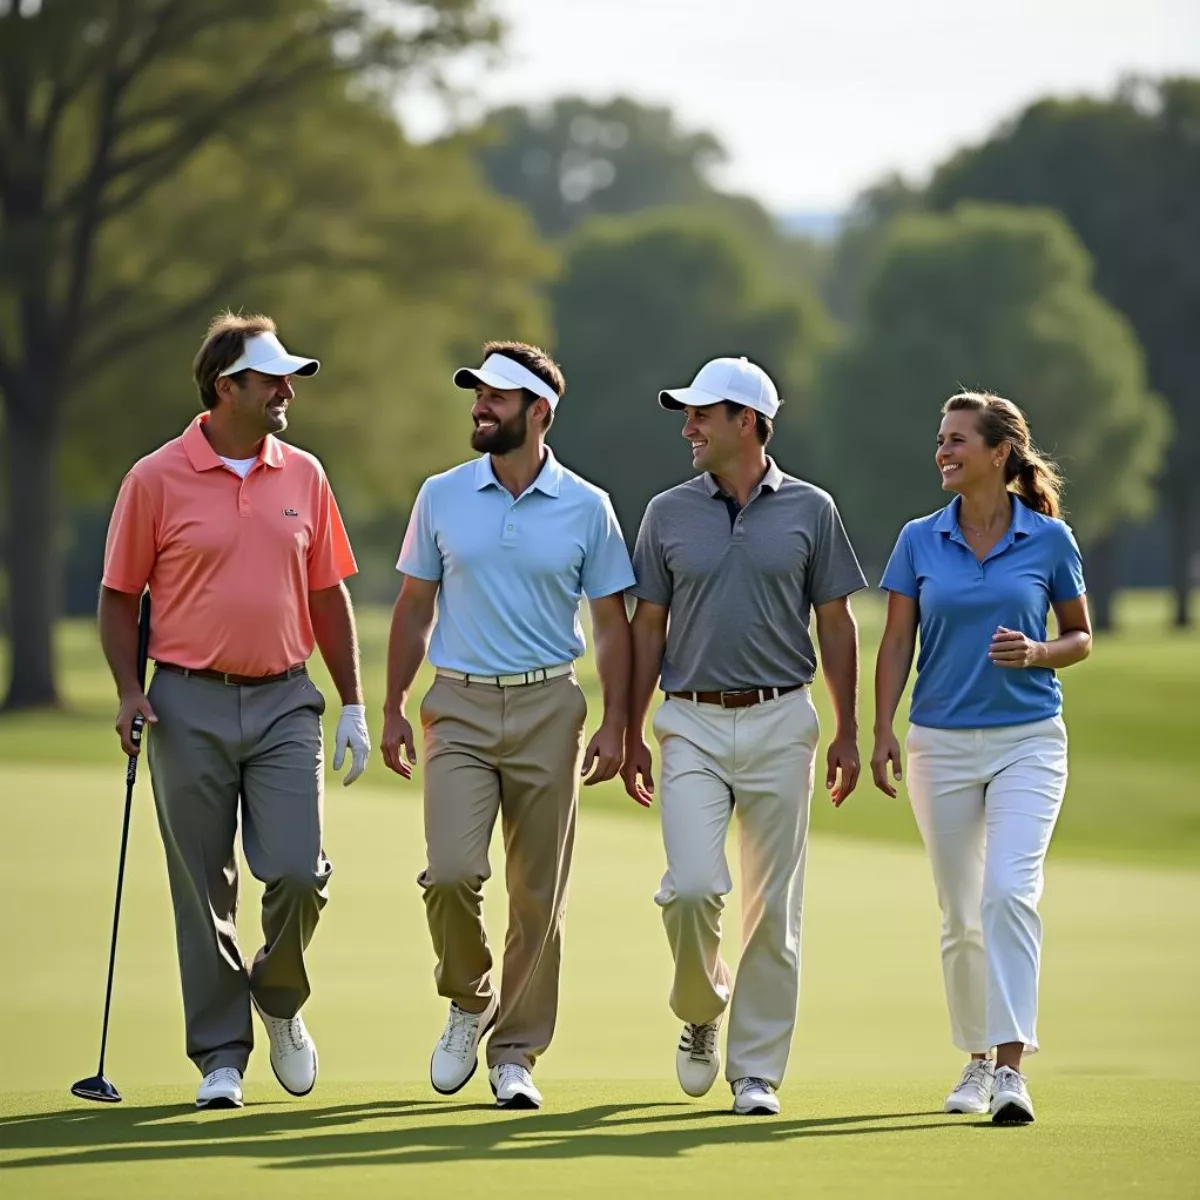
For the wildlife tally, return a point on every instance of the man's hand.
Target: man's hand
(603, 754)
(352, 735)
(636, 771)
(842, 758)
(398, 736)
(132, 706)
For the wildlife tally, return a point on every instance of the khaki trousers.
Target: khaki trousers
(217, 749)
(757, 763)
(515, 752)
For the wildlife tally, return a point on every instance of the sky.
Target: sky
(813, 101)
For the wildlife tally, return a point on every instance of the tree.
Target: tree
(641, 304)
(574, 159)
(1126, 173)
(996, 299)
(102, 104)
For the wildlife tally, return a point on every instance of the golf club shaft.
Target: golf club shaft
(135, 735)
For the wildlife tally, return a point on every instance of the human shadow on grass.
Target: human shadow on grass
(291, 1138)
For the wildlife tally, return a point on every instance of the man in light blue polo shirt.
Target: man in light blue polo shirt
(504, 548)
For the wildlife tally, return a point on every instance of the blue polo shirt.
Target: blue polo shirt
(512, 571)
(961, 601)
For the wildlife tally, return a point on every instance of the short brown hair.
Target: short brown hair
(764, 427)
(222, 346)
(535, 359)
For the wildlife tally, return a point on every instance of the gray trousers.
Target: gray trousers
(213, 746)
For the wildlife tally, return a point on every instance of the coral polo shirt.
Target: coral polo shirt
(230, 562)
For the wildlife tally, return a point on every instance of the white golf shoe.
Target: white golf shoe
(698, 1057)
(456, 1055)
(513, 1087)
(1011, 1104)
(973, 1092)
(221, 1088)
(754, 1098)
(293, 1052)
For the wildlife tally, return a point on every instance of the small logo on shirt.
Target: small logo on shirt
(290, 512)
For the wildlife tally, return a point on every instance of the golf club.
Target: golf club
(97, 1087)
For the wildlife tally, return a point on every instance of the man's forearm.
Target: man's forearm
(333, 626)
(839, 654)
(648, 647)
(407, 644)
(118, 621)
(614, 656)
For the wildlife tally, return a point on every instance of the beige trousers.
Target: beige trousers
(515, 752)
(756, 763)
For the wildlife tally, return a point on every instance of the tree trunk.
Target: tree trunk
(32, 462)
(1102, 581)
(1181, 506)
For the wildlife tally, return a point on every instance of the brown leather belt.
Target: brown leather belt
(231, 679)
(742, 699)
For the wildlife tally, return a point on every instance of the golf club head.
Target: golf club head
(96, 1088)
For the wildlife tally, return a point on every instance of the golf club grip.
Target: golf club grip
(139, 723)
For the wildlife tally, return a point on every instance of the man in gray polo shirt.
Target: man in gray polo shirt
(729, 566)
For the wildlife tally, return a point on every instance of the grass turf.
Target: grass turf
(1115, 1086)
(1131, 711)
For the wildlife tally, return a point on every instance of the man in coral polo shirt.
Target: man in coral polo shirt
(239, 539)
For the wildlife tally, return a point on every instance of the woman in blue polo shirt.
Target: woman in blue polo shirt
(987, 748)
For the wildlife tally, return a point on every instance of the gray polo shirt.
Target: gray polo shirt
(740, 584)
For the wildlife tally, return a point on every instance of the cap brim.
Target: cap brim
(289, 364)
(688, 397)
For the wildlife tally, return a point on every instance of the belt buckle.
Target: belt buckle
(225, 679)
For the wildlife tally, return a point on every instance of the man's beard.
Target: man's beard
(507, 436)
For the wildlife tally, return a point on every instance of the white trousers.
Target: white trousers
(756, 762)
(986, 802)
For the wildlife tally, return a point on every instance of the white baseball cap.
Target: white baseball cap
(264, 352)
(736, 379)
(504, 373)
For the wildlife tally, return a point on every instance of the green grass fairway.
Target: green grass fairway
(1131, 710)
(1116, 1087)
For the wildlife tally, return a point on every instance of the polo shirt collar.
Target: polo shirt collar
(772, 481)
(1021, 523)
(548, 481)
(204, 458)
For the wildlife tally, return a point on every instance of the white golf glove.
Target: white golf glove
(352, 735)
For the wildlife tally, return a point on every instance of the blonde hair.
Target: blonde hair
(1030, 474)
(222, 347)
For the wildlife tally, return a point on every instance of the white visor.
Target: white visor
(504, 374)
(264, 352)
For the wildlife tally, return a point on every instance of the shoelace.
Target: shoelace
(223, 1075)
(703, 1039)
(511, 1071)
(752, 1081)
(459, 1032)
(288, 1030)
(1006, 1077)
(974, 1072)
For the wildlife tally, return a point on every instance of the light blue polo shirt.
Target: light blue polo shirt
(961, 601)
(512, 571)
